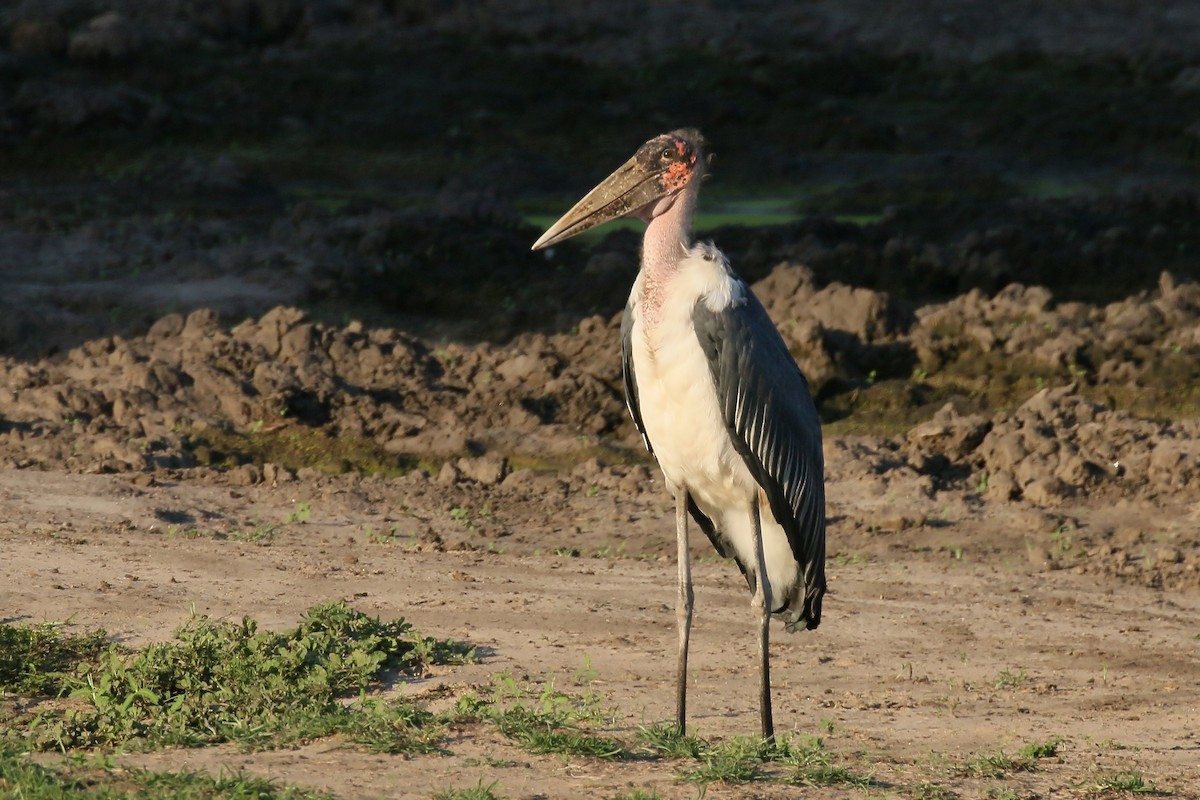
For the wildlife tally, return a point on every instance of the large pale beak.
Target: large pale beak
(628, 190)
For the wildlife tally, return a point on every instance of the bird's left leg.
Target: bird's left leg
(683, 606)
(761, 604)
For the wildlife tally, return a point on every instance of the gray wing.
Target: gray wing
(772, 420)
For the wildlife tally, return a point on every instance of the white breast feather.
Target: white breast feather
(682, 415)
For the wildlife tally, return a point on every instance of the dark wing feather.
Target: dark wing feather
(770, 416)
(631, 392)
(635, 411)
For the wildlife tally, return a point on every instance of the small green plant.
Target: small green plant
(478, 792)
(543, 733)
(1127, 782)
(734, 761)
(391, 536)
(1039, 750)
(999, 764)
(261, 533)
(566, 552)
(545, 720)
(932, 791)
(1007, 679)
(592, 490)
(587, 674)
(301, 513)
(994, 765)
(460, 515)
(982, 484)
(664, 739)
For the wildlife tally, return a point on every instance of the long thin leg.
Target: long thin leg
(764, 618)
(683, 606)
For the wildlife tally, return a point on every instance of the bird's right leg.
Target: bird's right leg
(762, 606)
(683, 605)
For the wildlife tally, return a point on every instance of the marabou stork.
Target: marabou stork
(717, 397)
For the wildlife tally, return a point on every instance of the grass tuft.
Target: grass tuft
(541, 733)
(1127, 782)
(734, 761)
(664, 739)
(98, 779)
(478, 792)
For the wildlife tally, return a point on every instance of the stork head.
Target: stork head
(644, 186)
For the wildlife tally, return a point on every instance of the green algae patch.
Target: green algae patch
(297, 447)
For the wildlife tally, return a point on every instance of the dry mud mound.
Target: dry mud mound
(194, 395)
(116, 404)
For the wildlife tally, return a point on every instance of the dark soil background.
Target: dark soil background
(375, 159)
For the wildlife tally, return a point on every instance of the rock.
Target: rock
(449, 475)
(487, 470)
(245, 475)
(275, 474)
(1040, 557)
(520, 479)
(518, 368)
(165, 328)
(1002, 486)
(1169, 555)
(949, 433)
(1045, 492)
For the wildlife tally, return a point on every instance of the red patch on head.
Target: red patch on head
(677, 175)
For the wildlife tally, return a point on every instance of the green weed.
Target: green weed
(479, 792)
(995, 765)
(999, 764)
(664, 739)
(1008, 679)
(542, 733)
(1127, 782)
(37, 659)
(734, 761)
(301, 513)
(96, 779)
(220, 681)
(1038, 750)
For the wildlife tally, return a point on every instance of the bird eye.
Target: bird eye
(667, 154)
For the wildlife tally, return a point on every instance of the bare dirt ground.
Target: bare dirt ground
(907, 668)
(203, 407)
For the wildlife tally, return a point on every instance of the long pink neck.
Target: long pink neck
(668, 236)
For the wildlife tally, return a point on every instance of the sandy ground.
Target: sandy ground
(900, 679)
